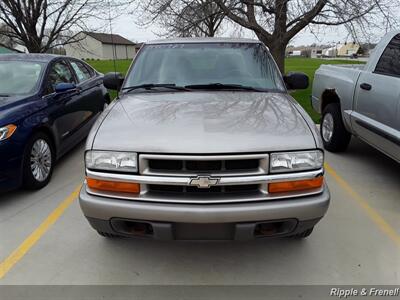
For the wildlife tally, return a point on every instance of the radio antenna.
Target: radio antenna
(113, 46)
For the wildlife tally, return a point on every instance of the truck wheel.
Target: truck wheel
(303, 234)
(39, 159)
(334, 135)
(107, 235)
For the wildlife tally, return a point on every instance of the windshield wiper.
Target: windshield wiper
(149, 86)
(222, 86)
(4, 95)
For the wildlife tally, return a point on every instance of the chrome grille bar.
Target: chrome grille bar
(165, 180)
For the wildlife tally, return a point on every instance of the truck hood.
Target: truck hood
(204, 122)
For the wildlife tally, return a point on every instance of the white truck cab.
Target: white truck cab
(362, 100)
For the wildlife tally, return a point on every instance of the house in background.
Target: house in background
(9, 45)
(11, 50)
(93, 45)
(292, 51)
(366, 49)
(330, 52)
(5, 50)
(348, 49)
(295, 53)
(316, 52)
(312, 51)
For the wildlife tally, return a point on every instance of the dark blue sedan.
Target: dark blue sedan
(48, 104)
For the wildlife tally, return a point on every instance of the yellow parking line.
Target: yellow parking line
(7, 264)
(369, 210)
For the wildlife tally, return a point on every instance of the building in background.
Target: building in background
(316, 52)
(9, 45)
(312, 51)
(10, 50)
(93, 45)
(330, 52)
(5, 50)
(367, 49)
(348, 49)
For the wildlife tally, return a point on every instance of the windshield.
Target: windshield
(244, 64)
(19, 77)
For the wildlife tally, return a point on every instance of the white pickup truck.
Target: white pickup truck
(362, 100)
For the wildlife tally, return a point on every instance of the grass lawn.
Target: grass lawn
(306, 65)
(105, 66)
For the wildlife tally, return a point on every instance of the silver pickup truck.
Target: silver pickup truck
(204, 142)
(362, 100)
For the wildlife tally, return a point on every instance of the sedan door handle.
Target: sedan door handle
(366, 86)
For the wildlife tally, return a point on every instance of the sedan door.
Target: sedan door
(90, 84)
(377, 102)
(63, 107)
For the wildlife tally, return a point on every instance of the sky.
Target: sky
(125, 26)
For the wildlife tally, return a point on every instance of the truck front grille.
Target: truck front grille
(159, 165)
(193, 167)
(186, 165)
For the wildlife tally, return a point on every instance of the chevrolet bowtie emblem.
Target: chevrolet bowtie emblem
(204, 182)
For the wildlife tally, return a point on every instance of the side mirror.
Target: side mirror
(64, 87)
(113, 81)
(296, 81)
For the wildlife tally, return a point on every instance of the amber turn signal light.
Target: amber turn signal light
(297, 185)
(7, 131)
(113, 186)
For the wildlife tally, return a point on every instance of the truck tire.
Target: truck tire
(334, 135)
(304, 234)
(39, 161)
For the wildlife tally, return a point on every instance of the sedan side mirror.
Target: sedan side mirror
(296, 81)
(113, 81)
(63, 87)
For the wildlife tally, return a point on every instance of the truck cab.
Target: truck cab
(362, 100)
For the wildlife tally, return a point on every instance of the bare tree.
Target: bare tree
(276, 22)
(5, 41)
(183, 18)
(41, 25)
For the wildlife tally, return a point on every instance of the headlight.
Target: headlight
(296, 161)
(111, 161)
(7, 131)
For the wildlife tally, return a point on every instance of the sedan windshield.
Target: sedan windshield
(236, 66)
(19, 77)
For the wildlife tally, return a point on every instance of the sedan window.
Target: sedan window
(82, 73)
(60, 73)
(19, 77)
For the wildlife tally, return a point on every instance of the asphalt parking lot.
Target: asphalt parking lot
(46, 240)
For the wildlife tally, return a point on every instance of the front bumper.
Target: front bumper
(10, 166)
(240, 218)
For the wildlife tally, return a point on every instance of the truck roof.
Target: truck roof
(202, 40)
